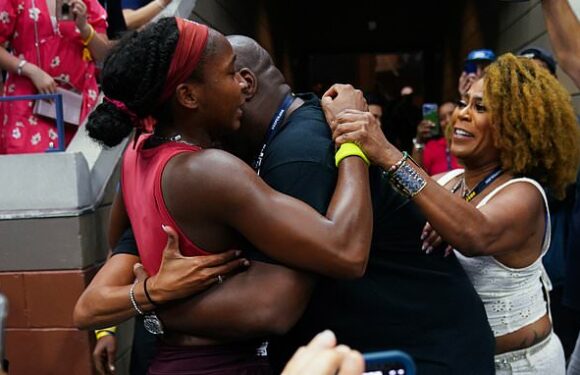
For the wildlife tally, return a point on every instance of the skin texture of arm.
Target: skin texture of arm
(282, 227)
(564, 30)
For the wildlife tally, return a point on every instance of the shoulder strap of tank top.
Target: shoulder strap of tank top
(443, 180)
(547, 227)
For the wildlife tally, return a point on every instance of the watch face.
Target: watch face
(153, 324)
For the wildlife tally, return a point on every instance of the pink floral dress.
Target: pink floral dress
(61, 49)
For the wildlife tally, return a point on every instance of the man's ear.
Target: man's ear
(251, 83)
(188, 95)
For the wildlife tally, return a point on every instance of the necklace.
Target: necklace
(468, 194)
(156, 140)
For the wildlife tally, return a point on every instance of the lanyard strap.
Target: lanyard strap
(483, 184)
(272, 130)
(448, 156)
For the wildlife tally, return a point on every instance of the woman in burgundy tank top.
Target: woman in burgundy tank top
(176, 84)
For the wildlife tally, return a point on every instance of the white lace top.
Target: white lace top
(513, 297)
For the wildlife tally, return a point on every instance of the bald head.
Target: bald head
(251, 55)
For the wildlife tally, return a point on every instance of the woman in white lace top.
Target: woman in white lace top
(513, 131)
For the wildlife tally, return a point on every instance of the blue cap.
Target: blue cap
(481, 55)
(540, 54)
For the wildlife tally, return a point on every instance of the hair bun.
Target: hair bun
(109, 125)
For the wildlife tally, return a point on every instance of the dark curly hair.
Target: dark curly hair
(134, 73)
(534, 124)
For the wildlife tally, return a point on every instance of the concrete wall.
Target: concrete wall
(522, 25)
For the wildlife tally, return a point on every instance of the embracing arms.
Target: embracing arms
(282, 227)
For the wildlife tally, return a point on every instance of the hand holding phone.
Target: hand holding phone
(63, 10)
(430, 113)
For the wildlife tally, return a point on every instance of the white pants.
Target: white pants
(546, 357)
(574, 365)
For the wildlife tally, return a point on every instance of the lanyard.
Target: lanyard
(272, 131)
(483, 184)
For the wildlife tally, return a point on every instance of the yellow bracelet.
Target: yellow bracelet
(99, 333)
(350, 149)
(86, 52)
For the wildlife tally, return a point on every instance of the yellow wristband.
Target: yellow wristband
(350, 149)
(90, 37)
(99, 333)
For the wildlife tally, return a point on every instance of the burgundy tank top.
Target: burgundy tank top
(141, 174)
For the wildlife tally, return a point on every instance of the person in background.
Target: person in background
(432, 153)
(566, 320)
(68, 51)
(563, 29)
(542, 57)
(115, 18)
(138, 13)
(376, 105)
(474, 65)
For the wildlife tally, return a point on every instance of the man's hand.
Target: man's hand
(340, 97)
(104, 355)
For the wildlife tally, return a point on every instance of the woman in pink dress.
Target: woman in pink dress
(66, 55)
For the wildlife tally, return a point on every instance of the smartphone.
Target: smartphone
(431, 113)
(391, 362)
(63, 10)
(3, 315)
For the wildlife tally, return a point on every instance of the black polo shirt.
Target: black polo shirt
(424, 305)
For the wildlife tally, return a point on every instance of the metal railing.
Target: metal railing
(59, 114)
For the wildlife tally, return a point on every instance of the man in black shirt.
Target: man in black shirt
(424, 305)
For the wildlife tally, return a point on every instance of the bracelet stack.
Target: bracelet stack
(405, 178)
(150, 320)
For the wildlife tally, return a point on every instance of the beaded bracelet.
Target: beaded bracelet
(398, 164)
(133, 300)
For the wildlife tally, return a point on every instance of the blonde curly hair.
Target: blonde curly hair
(533, 122)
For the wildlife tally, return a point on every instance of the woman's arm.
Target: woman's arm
(491, 230)
(43, 82)
(563, 28)
(282, 227)
(106, 301)
(97, 43)
(134, 19)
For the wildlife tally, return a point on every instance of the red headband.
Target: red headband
(190, 46)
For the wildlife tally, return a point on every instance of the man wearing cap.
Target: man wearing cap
(475, 63)
(542, 57)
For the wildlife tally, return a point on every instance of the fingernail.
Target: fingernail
(112, 368)
(424, 247)
(429, 249)
(237, 253)
(163, 226)
(423, 235)
(246, 262)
